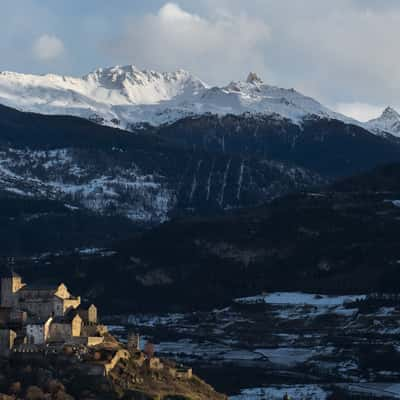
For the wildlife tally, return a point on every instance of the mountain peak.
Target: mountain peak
(390, 113)
(387, 122)
(253, 78)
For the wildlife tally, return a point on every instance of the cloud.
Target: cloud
(48, 47)
(172, 12)
(359, 111)
(342, 50)
(222, 45)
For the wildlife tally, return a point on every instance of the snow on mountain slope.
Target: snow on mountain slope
(65, 176)
(388, 122)
(110, 183)
(130, 86)
(127, 96)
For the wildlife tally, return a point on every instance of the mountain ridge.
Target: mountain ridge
(127, 96)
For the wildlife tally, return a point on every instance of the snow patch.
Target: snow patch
(309, 392)
(298, 298)
(62, 175)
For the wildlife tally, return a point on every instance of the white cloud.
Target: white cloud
(48, 47)
(172, 12)
(222, 45)
(344, 50)
(340, 52)
(359, 111)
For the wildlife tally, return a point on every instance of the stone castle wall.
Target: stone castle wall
(42, 309)
(69, 304)
(9, 288)
(7, 339)
(60, 332)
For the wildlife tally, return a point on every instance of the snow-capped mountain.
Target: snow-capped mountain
(127, 96)
(388, 122)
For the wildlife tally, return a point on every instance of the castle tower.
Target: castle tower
(11, 283)
(133, 342)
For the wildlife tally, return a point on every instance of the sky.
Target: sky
(345, 53)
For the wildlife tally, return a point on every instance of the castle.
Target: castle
(38, 320)
(34, 317)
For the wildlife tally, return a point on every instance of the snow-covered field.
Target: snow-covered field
(293, 305)
(296, 392)
(387, 390)
(155, 320)
(290, 305)
(301, 299)
(295, 338)
(287, 356)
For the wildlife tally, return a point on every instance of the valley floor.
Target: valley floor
(309, 346)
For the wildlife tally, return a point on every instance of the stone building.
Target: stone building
(89, 314)
(66, 327)
(154, 363)
(45, 300)
(10, 316)
(39, 315)
(107, 362)
(37, 330)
